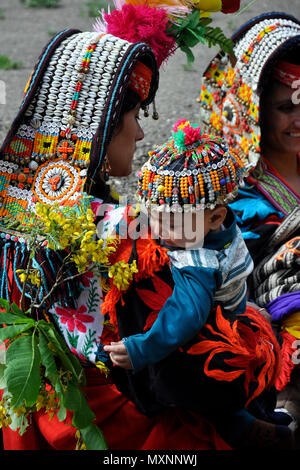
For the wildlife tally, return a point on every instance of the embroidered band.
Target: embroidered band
(140, 80)
(287, 73)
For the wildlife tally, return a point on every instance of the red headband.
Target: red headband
(140, 80)
(287, 73)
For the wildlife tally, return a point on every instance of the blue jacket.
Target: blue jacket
(215, 273)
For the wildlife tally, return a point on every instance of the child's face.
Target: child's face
(185, 229)
(179, 229)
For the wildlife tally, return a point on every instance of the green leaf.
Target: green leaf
(93, 438)
(12, 318)
(4, 304)
(15, 309)
(215, 36)
(2, 379)
(47, 358)
(189, 54)
(76, 402)
(192, 37)
(73, 339)
(68, 360)
(23, 371)
(10, 332)
(61, 413)
(193, 19)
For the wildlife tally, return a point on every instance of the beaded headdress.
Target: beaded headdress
(230, 93)
(69, 111)
(192, 169)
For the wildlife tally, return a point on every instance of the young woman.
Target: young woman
(254, 104)
(80, 119)
(78, 122)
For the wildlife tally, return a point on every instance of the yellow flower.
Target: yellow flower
(206, 7)
(5, 419)
(102, 367)
(20, 411)
(122, 274)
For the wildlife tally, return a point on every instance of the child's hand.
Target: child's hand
(118, 354)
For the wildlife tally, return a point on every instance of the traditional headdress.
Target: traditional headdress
(230, 93)
(67, 117)
(191, 168)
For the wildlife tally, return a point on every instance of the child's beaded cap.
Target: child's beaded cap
(191, 170)
(230, 93)
(69, 112)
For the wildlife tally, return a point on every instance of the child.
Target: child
(186, 185)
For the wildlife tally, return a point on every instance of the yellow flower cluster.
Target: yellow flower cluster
(34, 276)
(122, 274)
(5, 419)
(75, 231)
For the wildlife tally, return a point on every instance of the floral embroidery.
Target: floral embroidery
(74, 318)
(85, 279)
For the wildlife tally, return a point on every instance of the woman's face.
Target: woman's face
(121, 149)
(281, 121)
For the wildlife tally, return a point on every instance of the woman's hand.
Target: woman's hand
(118, 354)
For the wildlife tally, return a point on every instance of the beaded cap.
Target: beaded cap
(230, 93)
(69, 112)
(192, 169)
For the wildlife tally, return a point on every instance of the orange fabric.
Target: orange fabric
(256, 353)
(123, 426)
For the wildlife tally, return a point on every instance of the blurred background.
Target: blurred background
(26, 26)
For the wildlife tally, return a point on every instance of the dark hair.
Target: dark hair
(289, 53)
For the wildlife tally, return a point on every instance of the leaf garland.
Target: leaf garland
(191, 30)
(35, 344)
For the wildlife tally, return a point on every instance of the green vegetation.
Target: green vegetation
(1, 15)
(7, 64)
(93, 7)
(51, 32)
(40, 3)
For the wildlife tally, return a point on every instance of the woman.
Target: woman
(80, 108)
(254, 104)
(77, 124)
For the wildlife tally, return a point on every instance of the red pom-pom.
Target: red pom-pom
(142, 24)
(191, 135)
